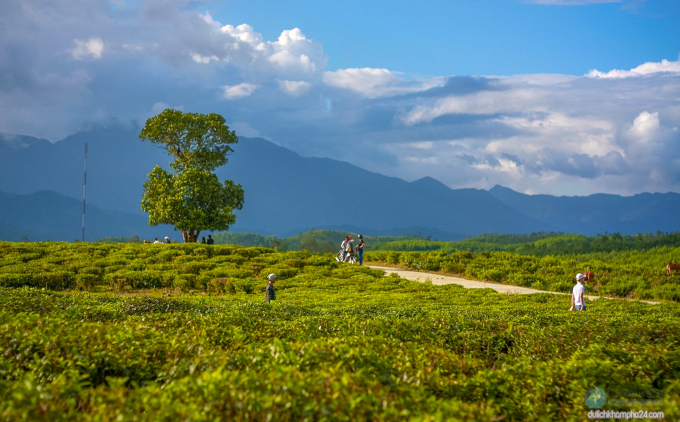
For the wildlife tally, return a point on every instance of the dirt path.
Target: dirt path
(439, 279)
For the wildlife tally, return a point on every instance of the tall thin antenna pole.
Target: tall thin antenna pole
(84, 190)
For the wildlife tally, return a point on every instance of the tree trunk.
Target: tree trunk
(190, 236)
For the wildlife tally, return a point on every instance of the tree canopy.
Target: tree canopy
(191, 198)
(200, 141)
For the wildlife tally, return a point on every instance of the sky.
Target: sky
(559, 97)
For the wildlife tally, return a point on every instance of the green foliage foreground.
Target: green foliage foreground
(341, 343)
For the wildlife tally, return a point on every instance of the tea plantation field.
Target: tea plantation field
(136, 332)
(630, 274)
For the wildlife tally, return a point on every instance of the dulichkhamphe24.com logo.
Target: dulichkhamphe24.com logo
(626, 414)
(595, 397)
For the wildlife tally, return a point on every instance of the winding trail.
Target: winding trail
(440, 279)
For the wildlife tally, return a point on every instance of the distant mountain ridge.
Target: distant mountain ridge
(286, 193)
(641, 213)
(47, 215)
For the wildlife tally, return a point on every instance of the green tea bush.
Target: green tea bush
(184, 282)
(219, 286)
(56, 280)
(138, 279)
(632, 274)
(341, 342)
(87, 281)
(357, 344)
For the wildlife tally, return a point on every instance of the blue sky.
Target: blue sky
(466, 37)
(562, 97)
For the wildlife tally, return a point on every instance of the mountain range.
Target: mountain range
(285, 193)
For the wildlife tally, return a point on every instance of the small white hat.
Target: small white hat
(271, 276)
(580, 276)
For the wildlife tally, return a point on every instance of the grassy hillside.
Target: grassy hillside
(340, 343)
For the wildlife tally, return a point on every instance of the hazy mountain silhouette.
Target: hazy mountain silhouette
(47, 215)
(599, 213)
(286, 193)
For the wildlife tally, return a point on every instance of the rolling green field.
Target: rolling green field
(181, 332)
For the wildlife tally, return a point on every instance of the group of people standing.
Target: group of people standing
(346, 247)
(209, 241)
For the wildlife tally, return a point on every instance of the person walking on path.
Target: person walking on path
(577, 300)
(360, 250)
(270, 293)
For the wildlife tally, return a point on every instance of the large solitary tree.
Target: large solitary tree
(191, 198)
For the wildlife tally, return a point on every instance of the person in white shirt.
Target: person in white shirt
(345, 246)
(577, 293)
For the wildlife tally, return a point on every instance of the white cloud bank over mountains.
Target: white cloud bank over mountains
(67, 63)
(649, 68)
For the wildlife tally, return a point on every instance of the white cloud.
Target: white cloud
(292, 56)
(578, 135)
(90, 49)
(485, 102)
(539, 79)
(294, 88)
(203, 59)
(645, 69)
(501, 166)
(575, 136)
(365, 81)
(421, 145)
(372, 83)
(645, 125)
(238, 91)
(132, 47)
(543, 133)
(243, 33)
(421, 160)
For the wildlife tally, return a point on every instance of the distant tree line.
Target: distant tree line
(535, 244)
(541, 244)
